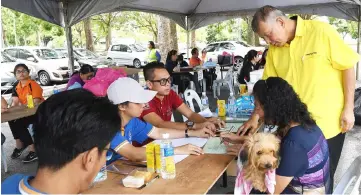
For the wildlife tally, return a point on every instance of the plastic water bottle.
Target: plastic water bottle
(167, 158)
(55, 89)
(232, 106)
(102, 174)
(204, 101)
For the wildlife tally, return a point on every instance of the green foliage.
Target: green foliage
(222, 31)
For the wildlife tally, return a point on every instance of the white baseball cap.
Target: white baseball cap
(126, 89)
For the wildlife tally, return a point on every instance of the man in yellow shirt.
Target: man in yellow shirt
(312, 57)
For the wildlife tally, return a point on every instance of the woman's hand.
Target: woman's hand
(250, 125)
(234, 149)
(204, 133)
(217, 122)
(232, 138)
(188, 149)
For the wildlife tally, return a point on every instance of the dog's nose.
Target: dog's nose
(268, 166)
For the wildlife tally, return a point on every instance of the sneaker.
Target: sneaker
(30, 157)
(17, 153)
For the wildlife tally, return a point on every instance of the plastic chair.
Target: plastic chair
(3, 156)
(227, 80)
(350, 181)
(189, 96)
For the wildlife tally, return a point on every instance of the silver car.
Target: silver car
(7, 72)
(84, 56)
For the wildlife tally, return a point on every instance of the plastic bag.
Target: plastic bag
(357, 108)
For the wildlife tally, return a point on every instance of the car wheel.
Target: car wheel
(44, 78)
(137, 63)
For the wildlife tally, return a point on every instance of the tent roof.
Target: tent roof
(199, 13)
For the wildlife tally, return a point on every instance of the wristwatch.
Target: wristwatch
(186, 133)
(190, 124)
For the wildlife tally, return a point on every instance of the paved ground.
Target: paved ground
(351, 150)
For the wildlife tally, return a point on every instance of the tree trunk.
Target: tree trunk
(3, 40)
(173, 41)
(250, 34)
(163, 37)
(81, 39)
(193, 40)
(88, 35)
(109, 37)
(256, 39)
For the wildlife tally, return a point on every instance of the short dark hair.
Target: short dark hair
(149, 69)
(85, 69)
(152, 44)
(262, 14)
(70, 123)
(194, 51)
(21, 65)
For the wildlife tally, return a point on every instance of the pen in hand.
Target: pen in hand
(230, 130)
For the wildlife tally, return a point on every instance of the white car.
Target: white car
(238, 48)
(49, 66)
(128, 54)
(84, 56)
(7, 72)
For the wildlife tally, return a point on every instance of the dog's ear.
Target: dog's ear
(248, 147)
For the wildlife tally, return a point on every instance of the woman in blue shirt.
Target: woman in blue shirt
(304, 155)
(130, 97)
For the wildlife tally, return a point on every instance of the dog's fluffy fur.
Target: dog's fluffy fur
(261, 150)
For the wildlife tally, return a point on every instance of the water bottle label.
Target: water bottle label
(204, 102)
(168, 152)
(169, 164)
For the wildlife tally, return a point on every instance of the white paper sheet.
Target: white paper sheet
(200, 142)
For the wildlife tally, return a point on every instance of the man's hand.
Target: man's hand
(206, 124)
(250, 125)
(347, 119)
(188, 149)
(204, 133)
(218, 122)
(232, 138)
(234, 149)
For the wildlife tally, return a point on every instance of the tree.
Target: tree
(214, 33)
(193, 40)
(144, 21)
(341, 26)
(307, 16)
(163, 36)
(173, 41)
(88, 34)
(106, 21)
(78, 28)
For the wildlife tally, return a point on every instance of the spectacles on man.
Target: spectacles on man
(21, 71)
(163, 82)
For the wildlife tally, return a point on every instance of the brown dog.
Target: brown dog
(262, 155)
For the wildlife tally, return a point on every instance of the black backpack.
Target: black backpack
(357, 108)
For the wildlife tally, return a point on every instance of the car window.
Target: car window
(123, 48)
(85, 53)
(6, 58)
(227, 46)
(12, 52)
(24, 54)
(243, 44)
(211, 47)
(137, 48)
(47, 54)
(115, 48)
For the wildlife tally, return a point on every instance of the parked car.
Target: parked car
(128, 54)
(84, 56)
(238, 48)
(49, 66)
(7, 72)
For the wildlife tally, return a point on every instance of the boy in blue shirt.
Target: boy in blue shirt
(72, 132)
(130, 97)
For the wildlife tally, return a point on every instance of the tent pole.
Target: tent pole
(358, 42)
(187, 29)
(69, 43)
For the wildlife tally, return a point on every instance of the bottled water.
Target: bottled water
(204, 101)
(167, 158)
(102, 174)
(55, 89)
(232, 106)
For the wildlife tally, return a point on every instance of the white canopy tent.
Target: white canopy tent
(189, 14)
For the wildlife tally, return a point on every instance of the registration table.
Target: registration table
(17, 112)
(194, 175)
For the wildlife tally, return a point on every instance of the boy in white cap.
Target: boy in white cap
(130, 97)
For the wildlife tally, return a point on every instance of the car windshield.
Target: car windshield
(85, 53)
(137, 48)
(5, 58)
(243, 44)
(46, 54)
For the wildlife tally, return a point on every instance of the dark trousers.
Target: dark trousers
(335, 145)
(19, 128)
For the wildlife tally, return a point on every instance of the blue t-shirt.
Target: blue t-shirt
(18, 184)
(304, 156)
(136, 130)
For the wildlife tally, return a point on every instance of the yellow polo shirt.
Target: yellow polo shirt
(312, 63)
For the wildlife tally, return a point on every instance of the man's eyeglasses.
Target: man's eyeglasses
(21, 71)
(163, 82)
